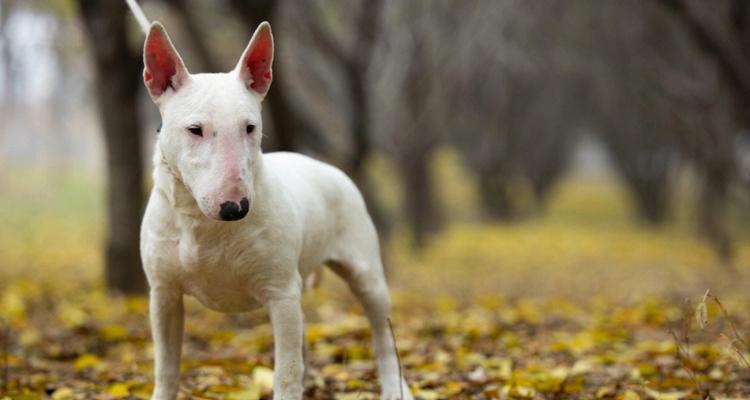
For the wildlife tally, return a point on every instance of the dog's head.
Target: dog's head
(211, 123)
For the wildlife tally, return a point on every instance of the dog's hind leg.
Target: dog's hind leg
(367, 281)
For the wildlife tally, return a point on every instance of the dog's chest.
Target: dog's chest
(228, 274)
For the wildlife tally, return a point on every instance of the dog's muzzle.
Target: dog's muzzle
(231, 211)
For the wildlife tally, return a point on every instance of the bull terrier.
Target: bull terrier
(237, 228)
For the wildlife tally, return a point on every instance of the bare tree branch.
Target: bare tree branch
(326, 40)
(195, 32)
(729, 57)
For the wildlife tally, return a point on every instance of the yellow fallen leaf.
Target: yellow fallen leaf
(114, 332)
(667, 395)
(629, 395)
(453, 388)
(428, 394)
(445, 303)
(263, 377)
(358, 395)
(63, 394)
(12, 305)
(604, 391)
(314, 332)
(30, 337)
(118, 390)
(86, 361)
(252, 393)
(71, 315)
(582, 367)
(523, 391)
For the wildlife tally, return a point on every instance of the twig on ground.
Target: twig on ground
(737, 353)
(684, 357)
(737, 337)
(683, 352)
(398, 358)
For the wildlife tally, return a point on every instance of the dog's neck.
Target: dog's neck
(169, 184)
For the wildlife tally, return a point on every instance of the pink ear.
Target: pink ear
(255, 64)
(163, 66)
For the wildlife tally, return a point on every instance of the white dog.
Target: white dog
(238, 229)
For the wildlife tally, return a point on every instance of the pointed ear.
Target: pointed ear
(163, 67)
(254, 67)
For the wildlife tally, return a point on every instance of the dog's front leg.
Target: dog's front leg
(167, 316)
(286, 319)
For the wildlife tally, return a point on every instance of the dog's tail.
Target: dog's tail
(139, 15)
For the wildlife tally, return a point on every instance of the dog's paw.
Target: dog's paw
(394, 392)
(397, 396)
(162, 395)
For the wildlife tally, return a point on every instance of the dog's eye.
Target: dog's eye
(196, 130)
(250, 129)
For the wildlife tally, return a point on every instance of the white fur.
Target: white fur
(303, 214)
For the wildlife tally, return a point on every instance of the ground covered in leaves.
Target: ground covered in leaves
(580, 304)
(99, 348)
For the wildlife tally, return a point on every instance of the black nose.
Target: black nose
(231, 211)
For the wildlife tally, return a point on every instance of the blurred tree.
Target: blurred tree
(414, 149)
(497, 101)
(557, 74)
(354, 62)
(644, 156)
(194, 30)
(6, 58)
(517, 125)
(350, 53)
(721, 31)
(290, 127)
(549, 132)
(717, 108)
(426, 95)
(7, 53)
(630, 113)
(705, 127)
(118, 69)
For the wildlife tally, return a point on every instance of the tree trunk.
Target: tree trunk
(355, 167)
(8, 100)
(118, 72)
(652, 198)
(420, 203)
(284, 120)
(355, 63)
(414, 151)
(494, 190)
(712, 214)
(282, 117)
(357, 69)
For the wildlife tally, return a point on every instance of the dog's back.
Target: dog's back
(329, 207)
